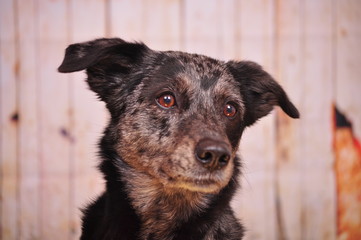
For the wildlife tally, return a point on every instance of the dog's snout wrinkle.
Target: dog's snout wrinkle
(213, 154)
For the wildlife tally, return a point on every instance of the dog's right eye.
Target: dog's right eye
(229, 110)
(166, 100)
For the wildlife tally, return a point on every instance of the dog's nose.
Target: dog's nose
(213, 154)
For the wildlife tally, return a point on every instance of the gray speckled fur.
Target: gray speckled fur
(155, 187)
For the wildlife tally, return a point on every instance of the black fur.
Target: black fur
(158, 186)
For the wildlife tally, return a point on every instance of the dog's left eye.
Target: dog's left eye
(229, 110)
(166, 100)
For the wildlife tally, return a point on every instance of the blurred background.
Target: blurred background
(301, 178)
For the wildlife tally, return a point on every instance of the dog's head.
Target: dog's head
(178, 117)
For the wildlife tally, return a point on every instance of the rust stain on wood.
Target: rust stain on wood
(66, 134)
(16, 68)
(284, 130)
(347, 151)
(343, 32)
(15, 117)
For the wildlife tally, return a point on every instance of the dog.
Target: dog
(168, 154)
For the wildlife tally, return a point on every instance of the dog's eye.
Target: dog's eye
(229, 110)
(166, 100)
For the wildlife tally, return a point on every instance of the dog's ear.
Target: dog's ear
(107, 61)
(260, 91)
(85, 55)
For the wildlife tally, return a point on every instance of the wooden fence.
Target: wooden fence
(50, 122)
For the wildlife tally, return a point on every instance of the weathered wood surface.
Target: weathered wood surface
(9, 116)
(50, 123)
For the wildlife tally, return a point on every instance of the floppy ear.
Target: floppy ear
(260, 91)
(107, 60)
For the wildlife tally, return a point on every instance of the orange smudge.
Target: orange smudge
(347, 151)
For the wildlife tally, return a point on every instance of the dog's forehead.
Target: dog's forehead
(197, 72)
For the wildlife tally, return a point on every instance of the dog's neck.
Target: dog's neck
(161, 209)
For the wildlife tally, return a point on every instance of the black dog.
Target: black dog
(169, 151)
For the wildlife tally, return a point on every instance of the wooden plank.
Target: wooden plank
(126, 19)
(288, 184)
(161, 24)
(209, 28)
(54, 136)
(9, 122)
(348, 99)
(87, 113)
(318, 185)
(257, 207)
(201, 27)
(228, 29)
(348, 70)
(28, 168)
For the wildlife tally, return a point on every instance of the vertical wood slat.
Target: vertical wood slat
(318, 186)
(161, 24)
(348, 70)
(258, 155)
(348, 100)
(289, 17)
(228, 30)
(201, 27)
(9, 67)
(209, 30)
(54, 136)
(87, 112)
(126, 19)
(28, 168)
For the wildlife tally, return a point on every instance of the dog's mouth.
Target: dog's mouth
(197, 185)
(204, 183)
